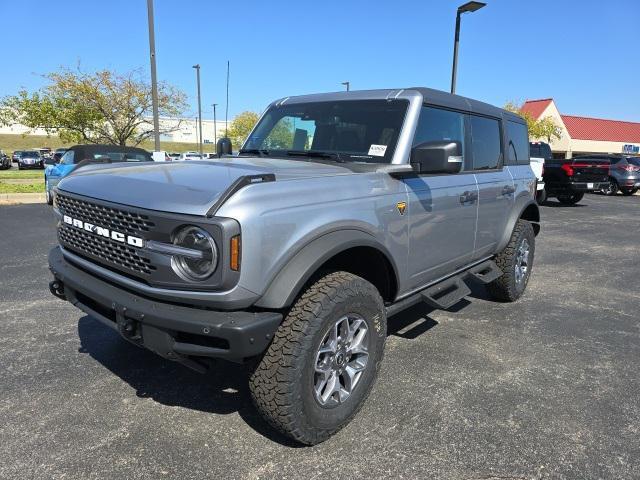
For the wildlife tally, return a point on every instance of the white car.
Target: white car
(190, 156)
(538, 153)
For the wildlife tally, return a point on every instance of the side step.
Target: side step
(486, 272)
(446, 294)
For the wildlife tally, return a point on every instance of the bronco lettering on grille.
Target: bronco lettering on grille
(104, 232)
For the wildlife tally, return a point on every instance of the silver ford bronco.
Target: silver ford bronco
(339, 211)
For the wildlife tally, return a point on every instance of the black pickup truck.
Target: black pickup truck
(568, 179)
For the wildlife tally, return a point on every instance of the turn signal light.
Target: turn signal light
(235, 253)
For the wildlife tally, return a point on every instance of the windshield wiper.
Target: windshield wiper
(255, 151)
(316, 154)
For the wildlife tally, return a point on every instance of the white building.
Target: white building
(185, 130)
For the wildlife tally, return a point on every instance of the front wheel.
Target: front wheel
(570, 199)
(47, 193)
(628, 191)
(515, 261)
(323, 360)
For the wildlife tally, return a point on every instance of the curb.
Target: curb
(18, 198)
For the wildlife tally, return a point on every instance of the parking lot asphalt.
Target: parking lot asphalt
(548, 387)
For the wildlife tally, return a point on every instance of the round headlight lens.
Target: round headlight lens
(202, 263)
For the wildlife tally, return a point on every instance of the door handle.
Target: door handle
(508, 190)
(468, 196)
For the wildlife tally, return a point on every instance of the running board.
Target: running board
(448, 292)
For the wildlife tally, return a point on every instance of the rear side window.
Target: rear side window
(436, 124)
(485, 141)
(518, 146)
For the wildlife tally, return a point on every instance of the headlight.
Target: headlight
(200, 257)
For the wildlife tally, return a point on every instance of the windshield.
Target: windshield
(30, 154)
(349, 130)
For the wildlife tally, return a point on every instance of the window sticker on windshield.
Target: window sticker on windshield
(377, 150)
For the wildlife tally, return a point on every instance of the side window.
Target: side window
(518, 147)
(436, 124)
(67, 158)
(485, 140)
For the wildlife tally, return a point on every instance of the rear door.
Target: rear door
(442, 208)
(495, 184)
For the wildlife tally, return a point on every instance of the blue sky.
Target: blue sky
(584, 54)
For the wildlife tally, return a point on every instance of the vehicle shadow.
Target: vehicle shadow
(222, 390)
(557, 204)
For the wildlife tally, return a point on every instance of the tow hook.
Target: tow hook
(57, 289)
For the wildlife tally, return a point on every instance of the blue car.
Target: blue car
(80, 155)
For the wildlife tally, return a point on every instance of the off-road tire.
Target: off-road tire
(282, 383)
(628, 191)
(505, 288)
(570, 199)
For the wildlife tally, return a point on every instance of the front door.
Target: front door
(442, 209)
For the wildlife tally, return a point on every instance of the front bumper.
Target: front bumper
(176, 332)
(26, 166)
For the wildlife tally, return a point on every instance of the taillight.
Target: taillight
(568, 169)
(628, 168)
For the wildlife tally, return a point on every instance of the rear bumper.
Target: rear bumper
(176, 332)
(575, 187)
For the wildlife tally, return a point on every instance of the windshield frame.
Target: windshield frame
(402, 150)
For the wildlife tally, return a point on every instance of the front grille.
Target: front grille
(108, 217)
(104, 249)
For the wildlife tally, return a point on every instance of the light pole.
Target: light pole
(154, 80)
(467, 7)
(215, 125)
(347, 84)
(197, 67)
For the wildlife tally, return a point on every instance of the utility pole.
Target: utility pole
(347, 84)
(197, 67)
(215, 125)
(154, 80)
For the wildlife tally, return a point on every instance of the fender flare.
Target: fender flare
(522, 203)
(289, 281)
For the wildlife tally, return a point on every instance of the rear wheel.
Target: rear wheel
(515, 261)
(570, 199)
(612, 188)
(323, 360)
(628, 191)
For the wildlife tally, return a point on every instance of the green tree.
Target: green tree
(100, 107)
(241, 127)
(545, 127)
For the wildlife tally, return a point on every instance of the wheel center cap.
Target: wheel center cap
(340, 359)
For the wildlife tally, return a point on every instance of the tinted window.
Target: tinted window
(436, 124)
(357, 130)
(540, 150)
(485, 141)
(518, 147)
(30, 154)
(634, 161)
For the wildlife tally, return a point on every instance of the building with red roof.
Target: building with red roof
(583, 135)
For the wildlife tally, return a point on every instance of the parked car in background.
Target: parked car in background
(190, 156)
(5, 161)
(57, 155)
(30, 159)
(160, 156)
(569, 179)
(15, 157)
(538, 153)
(84, 155)
(45, 152)
(624, 173)
(174, 156)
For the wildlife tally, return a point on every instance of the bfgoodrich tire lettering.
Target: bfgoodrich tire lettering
(511, 285)
(282, 384)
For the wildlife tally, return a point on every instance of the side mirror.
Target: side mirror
(437, 157)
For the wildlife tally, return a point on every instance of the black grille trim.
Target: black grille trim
(106, 250)
(108, 217)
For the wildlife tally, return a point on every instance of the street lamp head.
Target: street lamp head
(197, 65)
(470, 7)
